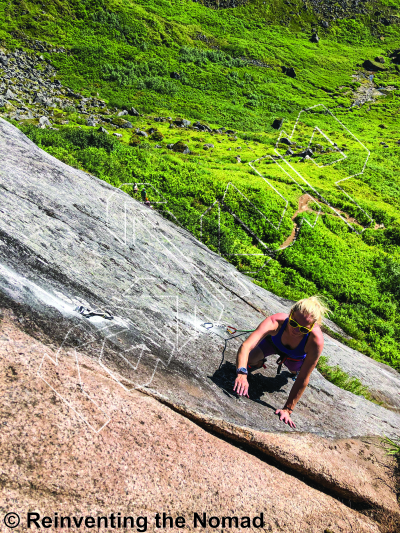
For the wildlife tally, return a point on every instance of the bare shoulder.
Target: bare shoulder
(271, 324)
(316, 339)
(276, 320)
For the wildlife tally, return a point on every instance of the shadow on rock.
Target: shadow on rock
(259, 385)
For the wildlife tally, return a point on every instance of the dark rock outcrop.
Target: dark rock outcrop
(395, 56)
(374, 66)
(289, 71)
(277, 123)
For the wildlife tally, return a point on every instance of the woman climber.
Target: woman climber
(297, 339)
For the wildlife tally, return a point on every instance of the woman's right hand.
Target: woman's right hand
(241, 386)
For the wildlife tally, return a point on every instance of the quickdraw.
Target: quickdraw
(231, 330)
(87, 313)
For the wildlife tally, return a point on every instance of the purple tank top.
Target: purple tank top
(296, 353)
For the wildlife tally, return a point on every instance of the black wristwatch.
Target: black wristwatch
(241, 370)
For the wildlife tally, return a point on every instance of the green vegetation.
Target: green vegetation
(126, 52)
(392, 447)
(341, 379)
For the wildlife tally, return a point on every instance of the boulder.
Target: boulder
(290, 72)
(181, 147)
(374, 66)
(395, 56)
(118, 135)
(183, 123)
(202, 127)
(127, 124)
(175, 76)
(91, 122)
(9, 95)
(207, 146)
(325, 24)
(277, 123)
(306, 153)
(122, 113)
(41, 99)
(133, 112)
(44, 121)
(285, 140)
(69, 247)
(314, 38)
(141, 133)
(102, 130)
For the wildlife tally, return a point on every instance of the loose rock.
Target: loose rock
(44, 121)
(277, 123)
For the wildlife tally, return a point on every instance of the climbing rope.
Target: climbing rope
(231, 330)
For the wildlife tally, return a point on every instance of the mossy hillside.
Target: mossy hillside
(126, 52)
(132, 48)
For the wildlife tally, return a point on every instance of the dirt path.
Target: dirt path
(303, 206)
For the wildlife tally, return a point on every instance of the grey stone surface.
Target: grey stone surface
(44, 121)
(69, 239)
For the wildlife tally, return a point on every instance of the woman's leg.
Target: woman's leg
(256, 358)
(293, 366)
(257, 355)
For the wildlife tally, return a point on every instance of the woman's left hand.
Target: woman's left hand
(285, 416)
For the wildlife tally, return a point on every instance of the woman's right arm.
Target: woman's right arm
(267, 327)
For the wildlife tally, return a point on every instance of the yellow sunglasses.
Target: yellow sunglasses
(302, 329)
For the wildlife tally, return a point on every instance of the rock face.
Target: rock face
(147, 458)
(68, 239)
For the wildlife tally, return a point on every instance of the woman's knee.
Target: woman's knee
(256, 356)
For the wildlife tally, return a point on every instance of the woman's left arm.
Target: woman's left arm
(299, 386)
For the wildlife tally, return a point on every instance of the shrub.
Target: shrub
(157, 136)
(84, 139)
(134, 141)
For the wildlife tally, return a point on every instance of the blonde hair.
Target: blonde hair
(313, 306)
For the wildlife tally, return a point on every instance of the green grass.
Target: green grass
(392, 447)
(341, 379)
(125, 51)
